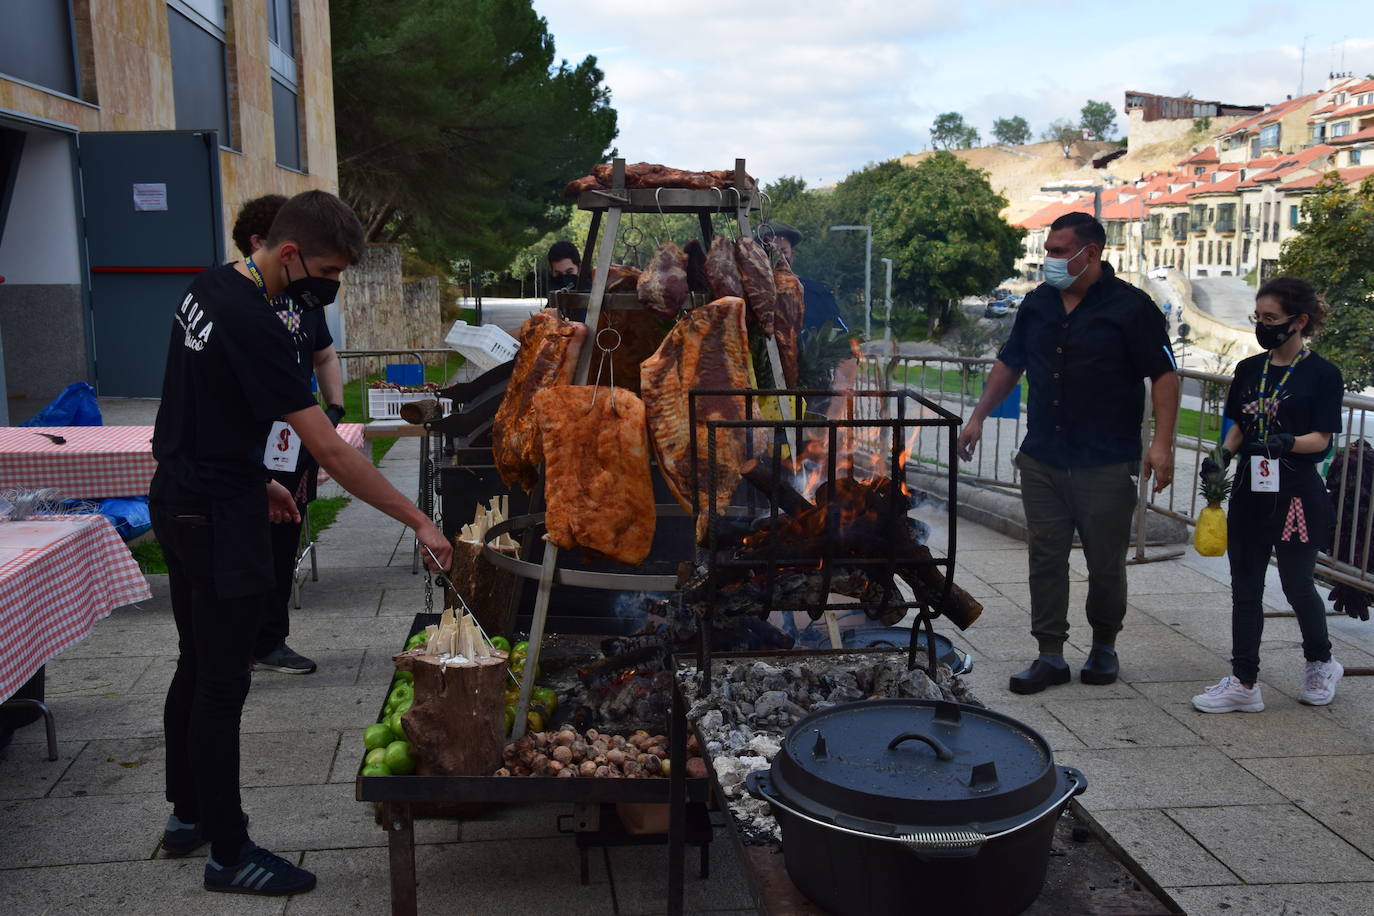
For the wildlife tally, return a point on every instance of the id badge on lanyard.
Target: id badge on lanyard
(283, 449)
(1264, 474)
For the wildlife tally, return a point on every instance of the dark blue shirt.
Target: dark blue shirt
(820, 306)
(1086, 371)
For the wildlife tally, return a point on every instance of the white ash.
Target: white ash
(752, 704)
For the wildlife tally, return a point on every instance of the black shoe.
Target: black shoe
(1038, 676)
(1100, 668)
(258, 872)
(286, 660)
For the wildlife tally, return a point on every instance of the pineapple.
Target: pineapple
(1210, 536)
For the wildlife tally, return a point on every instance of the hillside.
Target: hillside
(1019, 172)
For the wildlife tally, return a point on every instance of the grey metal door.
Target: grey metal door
(153, 221)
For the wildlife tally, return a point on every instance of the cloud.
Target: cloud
(1259, 18)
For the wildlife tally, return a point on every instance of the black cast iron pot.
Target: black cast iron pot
(914, 806)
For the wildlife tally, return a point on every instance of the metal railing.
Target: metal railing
(956, 384)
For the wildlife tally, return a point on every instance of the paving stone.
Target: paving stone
(26, 771)
(113, 639)
(998, 566)
(641, 879)
(350, 633)
(70, 676)
(138, 886)
(1164, 777)
(1276, 900)
(336, 668)
(990, 681)
(514, 822)
(1284, 729)
(1154, 652)
(297, 818)
(1268, 844)
(348, 755)
(307, 707)
(504, 877)
(86, 717)
(1334, 790)
(51, 831)
(1031, 711)
(973, 584)
(1163, 849)
(1106, 723)
(1164, 579)
(407, 602)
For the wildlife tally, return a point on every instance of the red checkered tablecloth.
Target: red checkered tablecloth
(58, 576)
(96, 462)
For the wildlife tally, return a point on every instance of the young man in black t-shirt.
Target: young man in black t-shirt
(231, 372)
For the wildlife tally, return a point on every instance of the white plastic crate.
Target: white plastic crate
(486, 345)
(385, 403)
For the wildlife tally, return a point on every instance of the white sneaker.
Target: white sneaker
(1319, 682)
(1229, 695)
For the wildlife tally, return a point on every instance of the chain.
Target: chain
(427, 507)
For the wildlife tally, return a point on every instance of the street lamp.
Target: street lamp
(868, 276)
(887, 330)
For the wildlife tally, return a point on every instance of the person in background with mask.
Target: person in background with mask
(564, 265)
(315, 356)
(1085, 339)
(232, 371)
(1285, 405)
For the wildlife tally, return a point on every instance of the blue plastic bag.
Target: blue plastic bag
(128, 514)
(75, 406)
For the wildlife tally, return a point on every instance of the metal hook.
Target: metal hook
(605, 354)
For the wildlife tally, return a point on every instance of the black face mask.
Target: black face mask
(310, 293)
(562, 281)
(1271, 337)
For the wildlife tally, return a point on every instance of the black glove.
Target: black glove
(1211, 467)
(1350, 601)
(1276, 445)
(335, 413)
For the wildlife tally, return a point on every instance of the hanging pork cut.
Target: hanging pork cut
(707, 348)
(597, 489)
(662, 286)
(722, 276)
(756, 274)
(787, 321)
(652, 175)
(622, 278)
(549, 347)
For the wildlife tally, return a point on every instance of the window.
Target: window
(1293, 216)
(1254, 148)
(1354, 157)
(1317, 134)
(37, 45)
(1229, 252)
(286, 121)
(1199, 250)
(1226, 218)
(1340, 130)
(1269, 136)
(1211, 253)
(199, 86)
(1197, 218)
(1249, 218)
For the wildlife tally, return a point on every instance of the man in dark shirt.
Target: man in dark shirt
(1086, 339)
(231, 372)
(820, 304)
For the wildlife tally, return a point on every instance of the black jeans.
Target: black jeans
(1248, 547)
(205, 700)
(276, 618)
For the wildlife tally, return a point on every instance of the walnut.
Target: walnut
(602, 772)
(554, 768)
(586, 768)
(566, 772)
(615, 757)
(565, 737)
(562, 753)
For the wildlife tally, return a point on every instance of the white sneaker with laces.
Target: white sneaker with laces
(1319, 682)
(1229, 695)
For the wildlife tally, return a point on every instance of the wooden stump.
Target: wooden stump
(456, 724)
(484, 587)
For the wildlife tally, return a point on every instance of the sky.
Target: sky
(820, 88)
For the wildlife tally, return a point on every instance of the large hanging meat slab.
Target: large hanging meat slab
(662, 286)
(549, 346)
(707, 348)
(721, 273)
(757, 276)
(787, 321)
(596, 471)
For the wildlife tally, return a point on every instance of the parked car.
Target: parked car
(999, 309)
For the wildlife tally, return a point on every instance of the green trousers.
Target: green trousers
(1098, 503)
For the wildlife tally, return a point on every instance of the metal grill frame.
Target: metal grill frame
(935, 416)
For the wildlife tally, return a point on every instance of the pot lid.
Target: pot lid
(897, 763)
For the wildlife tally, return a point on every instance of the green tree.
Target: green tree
(941, 224)
(456, 128)
(1334, 251)
(951, 132)
(1013, 131)
(1098, 119)
(1063, 132)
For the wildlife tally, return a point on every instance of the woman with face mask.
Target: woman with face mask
(1285, 404)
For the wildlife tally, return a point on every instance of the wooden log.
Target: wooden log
(418, 412)
(485, 588)
(456, 724)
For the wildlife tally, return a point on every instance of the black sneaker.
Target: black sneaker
(182, 839)
(258, 872)
(286, 660)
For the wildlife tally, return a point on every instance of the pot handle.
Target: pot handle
(941, 752)
(1080, 782)
(944, 844)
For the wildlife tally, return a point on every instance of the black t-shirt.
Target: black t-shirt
(1310, 401)
(309, 334)
(1086, 371)
(232, 369)
(820, 307)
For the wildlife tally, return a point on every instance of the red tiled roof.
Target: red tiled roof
(1052, 211)
(1278, 110)
(1357, 137)
(1348, 176)
(1177, 197)
(1227, 185)
(1286, 165)
(1201, 157)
